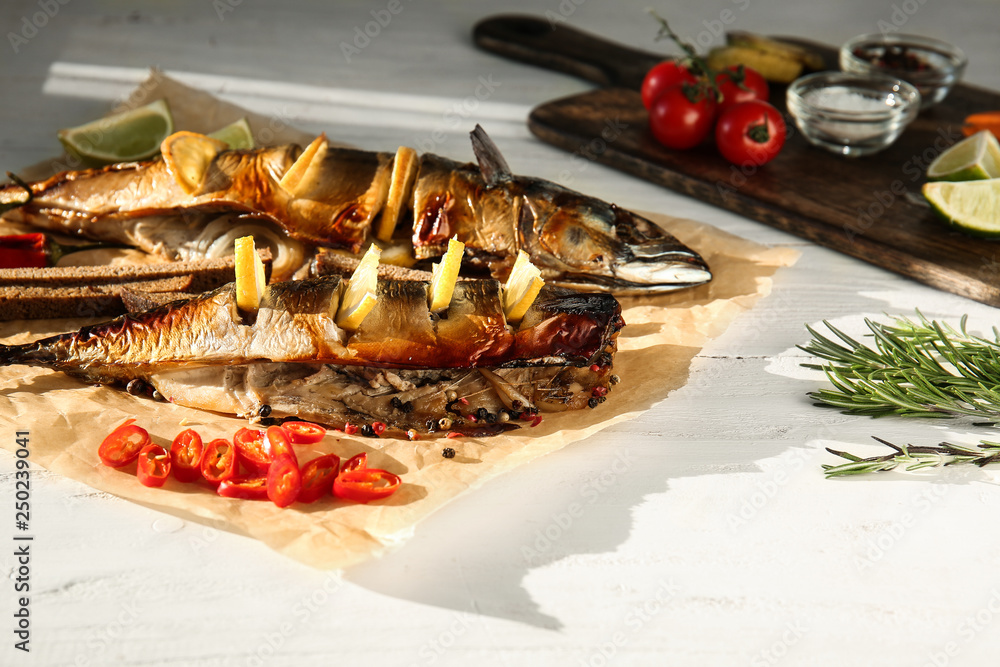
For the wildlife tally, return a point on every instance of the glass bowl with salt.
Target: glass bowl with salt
(850, 114)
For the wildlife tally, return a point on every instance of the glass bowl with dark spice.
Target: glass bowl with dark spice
(931, 65)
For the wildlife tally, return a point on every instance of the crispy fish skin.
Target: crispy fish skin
(577, 241)
(399, 367)
(295, 323)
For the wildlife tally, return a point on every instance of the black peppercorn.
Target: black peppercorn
(264, 411)
(136, 387)
(367, 431)
(592, 403)
(448, 453)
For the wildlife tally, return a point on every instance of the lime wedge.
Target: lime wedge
(236, 134)
(971, 159)
(131, 135)
(972, 206)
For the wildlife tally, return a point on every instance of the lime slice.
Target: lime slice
(360, 294)
(236, 134)
(132, 135)
(971, 159)
(444, 275)
(972, 206)
(250, 280)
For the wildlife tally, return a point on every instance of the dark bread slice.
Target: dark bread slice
(90, 291)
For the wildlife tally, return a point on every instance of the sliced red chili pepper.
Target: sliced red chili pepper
(250, 449)
(123, 445)
(304, 433)
(247, 487)
(219, 462)
(356, 462)
(318, 476)
(284, 481)
(23, 251)
(186, 453)
(154, 465)
(365, 485)
(277, 443)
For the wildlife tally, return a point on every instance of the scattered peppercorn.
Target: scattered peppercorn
(448, 453)
(481, 413)
(614, 379)
(396, 403)
(350, 429)
(412, 434)
(408, 407)
(136, 387)
(367, 431)
(378, 428)
(444, 423)
(592, 403)
(451, 395)
(600, 391)
(491, 418)
(157, 396)
(503, 417)
(264, 411)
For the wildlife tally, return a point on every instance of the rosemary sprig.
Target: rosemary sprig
(917, 368)
(912, 457)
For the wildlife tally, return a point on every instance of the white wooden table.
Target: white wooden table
(716, 542)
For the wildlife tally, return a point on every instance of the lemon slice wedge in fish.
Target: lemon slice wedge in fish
(361, 292)
(250, 279)
(444, 275)
(522, 288)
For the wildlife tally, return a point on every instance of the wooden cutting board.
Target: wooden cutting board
(868, 207)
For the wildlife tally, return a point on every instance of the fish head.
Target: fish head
(582, 242)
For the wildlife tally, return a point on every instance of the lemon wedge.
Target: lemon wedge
(124, 137)
(522, 288)
(444, 274)
(360, 295)
(237, 135)
(303, 173)
(250, 280)
(404, 171)
(188, 156)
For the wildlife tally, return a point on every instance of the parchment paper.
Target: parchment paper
(67, 420)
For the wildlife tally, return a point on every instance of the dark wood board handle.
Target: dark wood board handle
(552, 44)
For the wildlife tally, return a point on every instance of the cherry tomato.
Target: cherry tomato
(122, 446)
(277, 443)
(304, 433)
(247, 487)
(219, 462)
(682, 116)
(154, 466)
(751, 133)
(186, 453)
(318, 476)
(250, 449)
(740, 84)
(662, 76)
(365, 484)
(284, 481)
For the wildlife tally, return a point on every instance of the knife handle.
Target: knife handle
(554, 45)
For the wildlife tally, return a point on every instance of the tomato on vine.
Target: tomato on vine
(738, 84)
(750, 134)
(682, 116)
(662, 76)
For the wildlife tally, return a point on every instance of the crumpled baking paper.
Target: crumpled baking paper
(67, 419)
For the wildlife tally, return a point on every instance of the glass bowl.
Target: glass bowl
(929, 64)
(852, 114)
